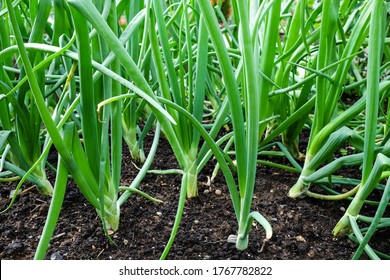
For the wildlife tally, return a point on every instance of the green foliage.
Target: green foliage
(78, 77)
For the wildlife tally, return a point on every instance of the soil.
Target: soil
(302, 227)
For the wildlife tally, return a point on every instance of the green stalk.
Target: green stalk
(172, 76)
(325, 56)
(231, 87)
(359, 236)
(116, 129)
(369, 174)
(179, 213)
(267, 57)
(252, 114)
(197, 106)
(87, 100)
(130, 116)
(282, 106)
(375, 222)
(55, 205)
(375, 51)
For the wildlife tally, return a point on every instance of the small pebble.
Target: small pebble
(125, 241)
(311, 254)
(196, 222)
(206, 191)
(300, 238)
(159, 214)
(218, 192)
(56, 256)
(43, 208)
(11, 193)
(342, 209)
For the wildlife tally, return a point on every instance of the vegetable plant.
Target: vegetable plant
(230, 83)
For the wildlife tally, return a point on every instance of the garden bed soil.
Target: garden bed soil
(302, 228)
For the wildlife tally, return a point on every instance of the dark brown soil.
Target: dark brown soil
(302, 228)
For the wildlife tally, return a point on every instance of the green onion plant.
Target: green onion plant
(233, 83)
(20, 120)
(346, 30)
(93, 164)
(180, 143)
(321, 145)
(371, 173)
(248, 111)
